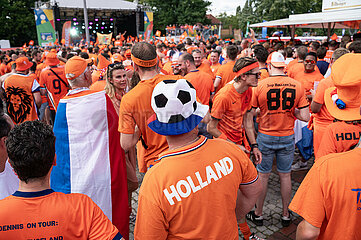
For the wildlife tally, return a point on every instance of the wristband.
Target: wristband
(255, 145)
(223, 136)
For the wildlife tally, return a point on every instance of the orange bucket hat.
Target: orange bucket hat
(22, 64)
(75, 66)
(344, 100)
(51, 59)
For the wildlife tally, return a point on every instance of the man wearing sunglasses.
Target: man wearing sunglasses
(280, 99)
(310, 75)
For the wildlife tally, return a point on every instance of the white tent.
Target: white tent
(97, 4)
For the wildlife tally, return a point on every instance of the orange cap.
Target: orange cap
(51, 59)
(117, 58)
(344, 101)
(22, 64)
(75, 66)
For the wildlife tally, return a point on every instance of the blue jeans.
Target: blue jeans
(282, 147)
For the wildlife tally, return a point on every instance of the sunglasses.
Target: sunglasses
(310, 61)
(258, 75)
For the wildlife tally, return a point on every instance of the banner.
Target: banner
(45, 29)
(65, 39)
(264, 31)
(104, 38)
(331, 5)
(148, 25)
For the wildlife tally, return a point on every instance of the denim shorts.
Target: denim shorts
(281, 147)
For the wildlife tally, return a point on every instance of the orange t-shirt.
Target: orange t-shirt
(39, 68)
(19, 91)
(328, 56)
(2, 69)
(229, 107)
(8, 66)
(203, 83)
(167, 67)
(55, 86)
(192, 192)
(328, 197)
(277, 97)
(226, 74)
(98, 85)
(94, 57)
(135, 109)
(323, 115)
(339, 137)
(264, 74)
(53, 215)
(215, 67)
(205, 67)
(308, 79)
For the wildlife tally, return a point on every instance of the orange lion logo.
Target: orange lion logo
(19, 104)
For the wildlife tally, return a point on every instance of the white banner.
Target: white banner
(331, 5)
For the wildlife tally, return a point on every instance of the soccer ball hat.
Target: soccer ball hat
(176, 108)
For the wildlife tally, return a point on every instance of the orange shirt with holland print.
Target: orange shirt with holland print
(229, 107)
(277, 97)
(328, 197)
(135, 109)
(192, 192)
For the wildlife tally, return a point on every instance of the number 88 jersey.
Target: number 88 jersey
(277, 97)
(55, 86)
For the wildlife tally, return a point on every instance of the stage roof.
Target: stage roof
(97, 4)
(348, 18)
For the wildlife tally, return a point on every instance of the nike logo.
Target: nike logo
(233, 102)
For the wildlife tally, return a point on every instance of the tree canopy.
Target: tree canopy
(180, 12)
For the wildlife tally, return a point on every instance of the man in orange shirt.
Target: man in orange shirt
(261, 54)
(35, 210)
(225, 73)
(196, 179)
(297, 64)
(309, 75)
(3, 60)
(135, 108)
(12, 61)
(322, 117)
(214, 59)
(201, 81)
(331, 190)
(202, 64)
(344, 134)
(280, 100)
(53, 82)
(22, 93)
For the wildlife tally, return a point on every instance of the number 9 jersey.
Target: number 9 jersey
(54, 80)
(277, 97)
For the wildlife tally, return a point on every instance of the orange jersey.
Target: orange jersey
(19, 91)
(135, 110)
(328, 56)
(323, 114)
(226, 74)
(98, 85)
(339, 137)
(198, 182)
(214, 67)
(229, 107)
(264, 73)
(2, 69)
(205, 67)
(8, 66)
(308, 79)
(203, 83)
(329, 196)
(39, 68)
(277, 97)
(53, 215)
(93, 56)
(55, 86)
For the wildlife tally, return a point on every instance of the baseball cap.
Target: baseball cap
(276, 59)
(176, 108)
(117, 58)
(22, 64)
(344, 100)
(51, 59)
(75, 66)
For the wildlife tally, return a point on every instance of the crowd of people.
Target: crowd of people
(201, 121)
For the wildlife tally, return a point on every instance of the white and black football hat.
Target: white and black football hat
(176, 108)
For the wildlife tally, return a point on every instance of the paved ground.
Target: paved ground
(272, 228)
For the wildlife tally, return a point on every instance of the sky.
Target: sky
(228, 6)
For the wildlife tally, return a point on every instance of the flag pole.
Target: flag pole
(86, 23)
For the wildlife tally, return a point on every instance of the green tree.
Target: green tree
(228, 20)
(17, 21)
(168, 12)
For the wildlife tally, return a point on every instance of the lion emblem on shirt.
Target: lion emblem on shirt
(19, 104)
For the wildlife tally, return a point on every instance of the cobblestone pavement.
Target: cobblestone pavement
(272, 228)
